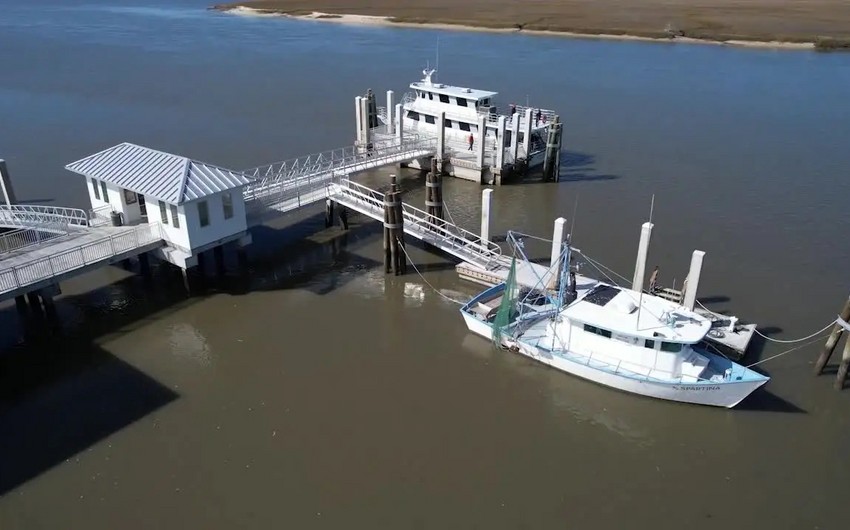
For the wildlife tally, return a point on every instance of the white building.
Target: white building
(197, 206)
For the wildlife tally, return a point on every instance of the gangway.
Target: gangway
(289, 185)
(448, 237)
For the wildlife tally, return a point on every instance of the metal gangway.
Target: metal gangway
(446, 236)
(285, 186)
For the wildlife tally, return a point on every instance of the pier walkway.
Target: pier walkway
(289, 185)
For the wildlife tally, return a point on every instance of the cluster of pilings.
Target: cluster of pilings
(395, 257)
(552, 160)
(434, 195)
(366, 108)
(842, 324)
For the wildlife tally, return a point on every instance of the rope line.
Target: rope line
(450, 299)
(778, 341)
(795, 348)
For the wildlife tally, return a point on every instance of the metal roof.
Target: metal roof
(169, 178)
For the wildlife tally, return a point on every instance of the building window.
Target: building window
(129, 197)
(95, 189)
(227, 205)
(204, 213)
(444, 98)
(463, 126)
(461, 102)
(175, 218)
(163, 212)
(429, 119)
(105, 194)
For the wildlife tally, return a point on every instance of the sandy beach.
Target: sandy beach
(802, 25)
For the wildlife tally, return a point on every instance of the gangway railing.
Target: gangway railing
(277, 181)
(47, 267)
(31, 216)
(447, 236)
(21, 238)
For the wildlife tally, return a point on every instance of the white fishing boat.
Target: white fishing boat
(611, 335)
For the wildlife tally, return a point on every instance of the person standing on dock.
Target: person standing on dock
(537, 117)
(471, 141)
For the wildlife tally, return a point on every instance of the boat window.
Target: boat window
(444, 98)
(649, 343)
(598, 331)
(672, 347)
(448, 124)
(485, 102)
(463, 126)
(430, 95)
(601, 294)
(413, 115)
(461, 102)
(429, 119)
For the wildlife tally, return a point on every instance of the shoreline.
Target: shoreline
(388, 21)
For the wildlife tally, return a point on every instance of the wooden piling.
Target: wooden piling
(550, 169)
(832, 341)
(388, 233)
(841, 376)
(329, 213)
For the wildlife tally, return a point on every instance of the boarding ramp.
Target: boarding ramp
(289, 185)
(446, 236)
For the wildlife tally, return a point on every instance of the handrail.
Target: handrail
(459, 239)
(27, 215)
(79, 256)
(27, 237)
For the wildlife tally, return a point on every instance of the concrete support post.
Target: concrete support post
(49, 306)
(441, 140)
(218, 254)
(640, 262)
(21, 305)
(390, 109)
(358, 110)
(399, 123)
(144, 266)
(526, 141)
(515, 138)
(500, 143)
(35, 303)
(558, 237)
(6, 184)
(486, 205)
(366, 132)
(480, 147)
(689, 297)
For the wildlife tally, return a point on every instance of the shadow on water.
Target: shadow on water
(575, 167)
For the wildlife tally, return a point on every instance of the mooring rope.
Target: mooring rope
(450, 299)
(795, 348)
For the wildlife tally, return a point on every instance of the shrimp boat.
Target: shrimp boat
(631, 341)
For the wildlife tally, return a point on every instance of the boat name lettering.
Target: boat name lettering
(697, 388)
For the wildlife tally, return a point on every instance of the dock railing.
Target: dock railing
(33, 215)
(27, 237)
(74, 258)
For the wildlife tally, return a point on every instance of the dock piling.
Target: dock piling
(558, 237)
(441, 142)
(390, 109)
(486, 204)
(358, 112)
(218, 257)
(689, 297)
(500, 143)
(640, 262)
(329, 213)
(399, 123)
(553, 144)
(526, 140)
(514, 138)
(832, 340)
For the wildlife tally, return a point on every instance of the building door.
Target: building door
(142, 208)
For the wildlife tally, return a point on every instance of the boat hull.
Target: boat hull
(720, 394)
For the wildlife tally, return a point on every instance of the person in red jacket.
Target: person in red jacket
(471, 141)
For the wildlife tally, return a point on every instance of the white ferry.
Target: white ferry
(478, 143)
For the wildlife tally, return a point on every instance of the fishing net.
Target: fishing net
(507, 308)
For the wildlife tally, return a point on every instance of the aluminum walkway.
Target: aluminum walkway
(289, 185)
(448, 237)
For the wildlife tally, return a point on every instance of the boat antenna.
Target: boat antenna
(640, 297)
(573, 223)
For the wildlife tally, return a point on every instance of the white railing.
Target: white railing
(27, 237)
(29, 215)
(84, 254)
(101, 215)
(450, 237)
(276, 181)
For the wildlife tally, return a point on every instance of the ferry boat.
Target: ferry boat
(614, 336)
(466, 109)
